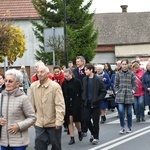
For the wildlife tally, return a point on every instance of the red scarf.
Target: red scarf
(59, 78)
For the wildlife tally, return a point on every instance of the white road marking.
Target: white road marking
(118, 121)
(122, 138)
(125, 140)
(114, 114)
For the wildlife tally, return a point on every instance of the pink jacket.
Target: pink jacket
(140, 89)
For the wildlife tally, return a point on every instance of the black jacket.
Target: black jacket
(2, 88)
(75, 90)
(98, 89)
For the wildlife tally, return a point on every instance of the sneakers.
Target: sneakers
(129, 130)
(95, 141)
(91, 138)
(122, 131)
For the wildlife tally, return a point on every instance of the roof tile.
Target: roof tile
(123, 28)
(17, 9)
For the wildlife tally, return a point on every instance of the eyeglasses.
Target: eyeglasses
(9, 81)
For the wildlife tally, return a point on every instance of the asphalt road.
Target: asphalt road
(110, 139)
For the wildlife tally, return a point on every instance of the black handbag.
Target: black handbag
(1, 113)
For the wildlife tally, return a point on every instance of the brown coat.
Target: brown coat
(16, 108)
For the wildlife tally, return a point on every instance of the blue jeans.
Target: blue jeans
(139, 106)
(128, 108)
(13, 148)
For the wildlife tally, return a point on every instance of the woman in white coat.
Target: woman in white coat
(17, 113)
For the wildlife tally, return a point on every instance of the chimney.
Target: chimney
(124, 8)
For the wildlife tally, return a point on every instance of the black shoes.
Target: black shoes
(91, 138)
(138, 120)
(80, 136)
(84, 134)
(72, 141)
(103, 119)
(143, 119)
(65, 129)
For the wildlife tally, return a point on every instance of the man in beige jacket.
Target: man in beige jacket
(48, 102)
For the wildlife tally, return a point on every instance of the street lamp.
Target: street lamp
(53, 30)
(65, 33)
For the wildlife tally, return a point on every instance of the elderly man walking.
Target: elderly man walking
(48, 102)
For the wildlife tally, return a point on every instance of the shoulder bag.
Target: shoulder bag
(110, 94)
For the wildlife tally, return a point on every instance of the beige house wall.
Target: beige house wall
(132, 50)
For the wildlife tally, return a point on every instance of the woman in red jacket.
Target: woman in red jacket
(139, 93)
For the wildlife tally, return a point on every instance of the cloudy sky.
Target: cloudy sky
(104, 6)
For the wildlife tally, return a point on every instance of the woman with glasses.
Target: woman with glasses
(125, 87)
(17, 113)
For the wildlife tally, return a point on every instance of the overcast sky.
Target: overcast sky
(104, 6)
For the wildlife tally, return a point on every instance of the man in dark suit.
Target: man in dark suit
(79, 73)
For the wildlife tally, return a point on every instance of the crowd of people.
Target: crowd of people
(65, 98)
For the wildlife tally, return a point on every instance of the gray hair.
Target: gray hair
(99, 66)
(46, 69)
(39, 63)
(18, 75)
(81, 58)
(68, 70)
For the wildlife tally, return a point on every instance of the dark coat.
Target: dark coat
(146, 84)
(125, 86)
(109, 72)
(78, 75)
(2, 88)
(112, 80)
(76, 90)
(98, 89)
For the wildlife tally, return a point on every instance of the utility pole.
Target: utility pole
(54, 45)
(65, 33)
(5, 64)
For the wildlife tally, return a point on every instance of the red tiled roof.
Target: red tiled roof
(17, 9)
